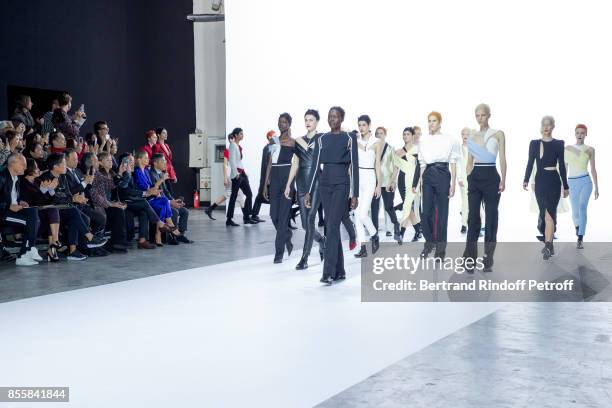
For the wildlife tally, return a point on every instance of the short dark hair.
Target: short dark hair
(54, 159)
(156, 157)
(286, 116)
(364, 118)
(339, 110)
(54, 136)
(314, 113)
(68, 152)
(409, 129)
(64, 99)
(30, 147)
(98, 125)
(16, 122)
(236, 131)
(91, 139)
(123, 156)
(159, 130)
(31, 167)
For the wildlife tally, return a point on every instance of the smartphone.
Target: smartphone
(125, 162)
(82, 107)
(80, 139)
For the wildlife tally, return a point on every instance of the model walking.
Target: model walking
(277, 173)
(301, 167)
(437, 152)
(406, 159)
(462, 178)
(337, 152)
(387, 185)
(548, 154)
(369, 149)
(577, 158)
(485, 185)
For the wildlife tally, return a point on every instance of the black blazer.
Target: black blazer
(6, 186)
(154, 177)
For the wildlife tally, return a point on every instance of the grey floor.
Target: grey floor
(214, 243)
(524, 355)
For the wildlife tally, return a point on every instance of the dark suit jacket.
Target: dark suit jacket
(6, 186)
(154, 177)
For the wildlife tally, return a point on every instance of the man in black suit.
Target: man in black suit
(14, 212)
(180, 215)
(81, 184)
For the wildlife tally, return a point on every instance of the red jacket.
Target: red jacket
(147, 148)
(167, 152)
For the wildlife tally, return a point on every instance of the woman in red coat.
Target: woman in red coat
(164, 148)
(150, 146)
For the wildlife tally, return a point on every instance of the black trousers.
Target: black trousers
(335, 188)
(180, 217)
(259, 200)
(116, 222)
(436, 187)
(96, 220)
(27, 219)
(74, 221)
(387, 197)
(483, 186)
(308, 216)
(145, 213)
(280, 207)
(240, 182)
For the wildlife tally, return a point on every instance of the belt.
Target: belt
(578, 177)
(367, 168)
(281, 164)
(437, 164)
(549, 168)
(484, 164)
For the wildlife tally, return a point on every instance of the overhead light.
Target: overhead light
(205, 18)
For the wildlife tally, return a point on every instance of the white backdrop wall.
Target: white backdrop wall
(209, 66)
(398, 60)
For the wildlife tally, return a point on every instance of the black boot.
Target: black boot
(417, 232)
(397, 235)
(375, 243)
(427, 248)
(579, 243)
(402, 232)
(547, 251)
(488, 263)
(363, 252)
(463, 229)
(303, 264)
(230, 223)
(209, 211)
(322, 248)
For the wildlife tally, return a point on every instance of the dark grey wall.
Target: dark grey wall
(130, 62)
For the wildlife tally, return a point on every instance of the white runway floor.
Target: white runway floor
(240, 334)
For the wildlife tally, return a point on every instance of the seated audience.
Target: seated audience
(70, 216)
(16, 212)
(137, 204)
(180, 214)
(13, 144)
(160, 203)
(57, 142)
(101, 194)
(33, 192)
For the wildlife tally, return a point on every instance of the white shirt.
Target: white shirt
(438, 148)
(14, 197)
(367, 158)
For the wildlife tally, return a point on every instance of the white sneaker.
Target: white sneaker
(25, 260)
(33, 253)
